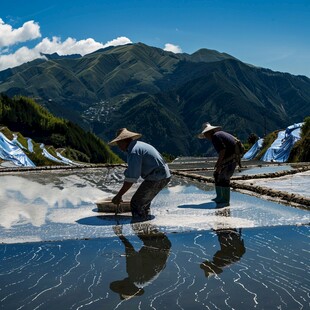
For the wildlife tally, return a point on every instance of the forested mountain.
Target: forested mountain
(163, 95)
(32, 120)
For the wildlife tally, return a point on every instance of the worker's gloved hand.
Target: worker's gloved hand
(117, 199)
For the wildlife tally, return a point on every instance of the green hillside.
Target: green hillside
(163, 95)
(301, 150)
(25, 116)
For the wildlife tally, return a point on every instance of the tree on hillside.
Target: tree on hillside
(301, 150)
(252, 138)
(23, 115)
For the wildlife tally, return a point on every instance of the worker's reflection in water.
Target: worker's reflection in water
(142, 266)
(232, 248)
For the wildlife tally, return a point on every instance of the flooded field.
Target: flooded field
(56, 247)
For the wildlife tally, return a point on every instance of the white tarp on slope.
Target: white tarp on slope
(46, 154)
(16, 142)
(62, 160)
(30, 145)
(253, 151)
(66, 160)
(280, 149)
(11, 152)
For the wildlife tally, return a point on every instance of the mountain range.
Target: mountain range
(164, 96)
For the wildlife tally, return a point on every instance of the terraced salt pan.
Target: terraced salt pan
(61, 205)
(298, 183)
(263, 169)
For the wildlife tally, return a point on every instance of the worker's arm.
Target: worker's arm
(118, 197)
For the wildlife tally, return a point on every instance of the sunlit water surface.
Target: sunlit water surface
(253, 254)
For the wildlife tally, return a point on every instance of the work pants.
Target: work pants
(223, 177)
(141, 201)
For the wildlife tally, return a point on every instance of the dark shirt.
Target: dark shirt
(222, 140)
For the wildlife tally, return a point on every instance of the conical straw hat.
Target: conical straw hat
(123, 134)
(208, 127)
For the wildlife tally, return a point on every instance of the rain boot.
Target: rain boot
(218, 191)
(225, 198)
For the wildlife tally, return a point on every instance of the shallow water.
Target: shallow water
(250, 170)
(263, 169)
(61, 205)
(260, 268)
(297, 183)
(57, 249)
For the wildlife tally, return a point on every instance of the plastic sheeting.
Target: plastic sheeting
(66, 160)
(253, 151)
(46, 154)
(16, 142)
(30, 145)
(280, 149)
(11, 152)
(61, 159)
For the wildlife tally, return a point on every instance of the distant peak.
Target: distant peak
(57, 56)
(208, 55)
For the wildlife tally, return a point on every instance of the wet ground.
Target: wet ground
(56, 248)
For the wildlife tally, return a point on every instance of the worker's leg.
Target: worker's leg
(218, 191)
(141, 201)
(222, 181)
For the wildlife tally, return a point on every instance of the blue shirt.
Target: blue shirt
(145, 161)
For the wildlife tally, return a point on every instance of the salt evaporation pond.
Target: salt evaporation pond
(58, 250)
(263, 169)
(249, 170)
(298, 183)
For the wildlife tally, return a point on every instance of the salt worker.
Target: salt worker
(143, 161)
(225, 145)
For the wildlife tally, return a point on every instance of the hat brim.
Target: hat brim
(211, 128)
(201, 136)
(133, 137)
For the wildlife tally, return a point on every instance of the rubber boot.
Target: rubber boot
(218, 191)
(225, 197)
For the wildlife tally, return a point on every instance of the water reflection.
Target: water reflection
(32, 198)
(142, 266)
(231, 248)
(61, 205)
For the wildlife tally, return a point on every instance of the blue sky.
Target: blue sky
(273, 34)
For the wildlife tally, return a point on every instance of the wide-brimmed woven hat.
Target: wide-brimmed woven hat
(123, 134)
(207, 127)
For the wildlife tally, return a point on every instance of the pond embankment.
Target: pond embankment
(248, 184)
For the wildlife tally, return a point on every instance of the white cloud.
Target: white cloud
(30, 30)
(22, 55)
(71, 46)
(9, 36)
(172, 48)
(117, 41)
(68, 47)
